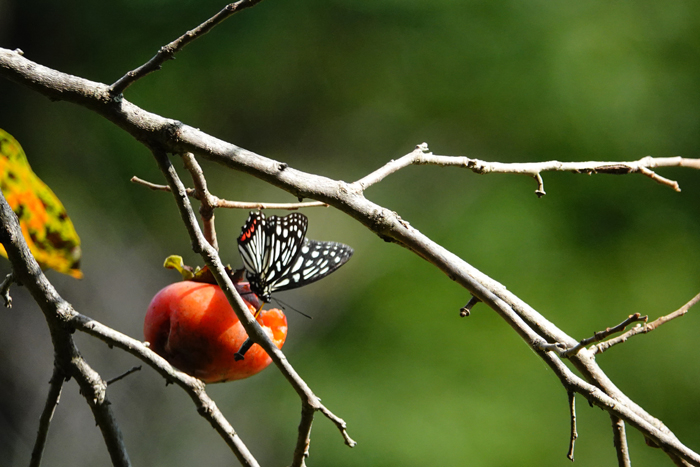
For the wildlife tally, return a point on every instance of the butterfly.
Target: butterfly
(277, 256)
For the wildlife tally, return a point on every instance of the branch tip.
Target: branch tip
(467, 309)
(646, 328)
(574, 434)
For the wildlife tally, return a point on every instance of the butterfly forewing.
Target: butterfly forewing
(251, 243)
(277, 255)
(284, 236)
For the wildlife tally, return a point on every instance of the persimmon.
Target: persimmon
(192, 326)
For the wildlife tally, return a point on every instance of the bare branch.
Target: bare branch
(301, 450)
(620, 441)
(168, 52)
(574, 433)
(603, 346)
(422, 156)
(223, 203)
(393, 166)
(55, 387)
(208, 202)
(600, 335)
(156, 187)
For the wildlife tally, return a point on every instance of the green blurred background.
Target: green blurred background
(340, 87)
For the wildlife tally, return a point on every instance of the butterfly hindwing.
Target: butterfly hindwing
(315, 261)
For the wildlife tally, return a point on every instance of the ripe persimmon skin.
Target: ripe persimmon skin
(193, 327)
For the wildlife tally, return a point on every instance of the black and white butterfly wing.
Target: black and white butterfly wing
(315, 261)
(251, 243)
(278, 256)
(268, 247)
(284, 239)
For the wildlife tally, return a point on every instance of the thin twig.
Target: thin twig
(168, 52)
(574, 433)
(207, 201)
(123, 375)
(52, 399)
(421, 155)
(620, 441)
(643, 329)
(600, 335)
(157, 187)
(223, 203)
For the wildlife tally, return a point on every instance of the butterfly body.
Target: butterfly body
(277, 255)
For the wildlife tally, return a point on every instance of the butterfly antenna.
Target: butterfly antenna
(287, 305)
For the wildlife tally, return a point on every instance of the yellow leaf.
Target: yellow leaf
(45, 225)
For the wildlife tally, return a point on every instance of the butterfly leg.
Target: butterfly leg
(240, 355)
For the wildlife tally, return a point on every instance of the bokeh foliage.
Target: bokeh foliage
(339, 87)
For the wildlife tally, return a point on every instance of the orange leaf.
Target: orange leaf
(45, 225)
